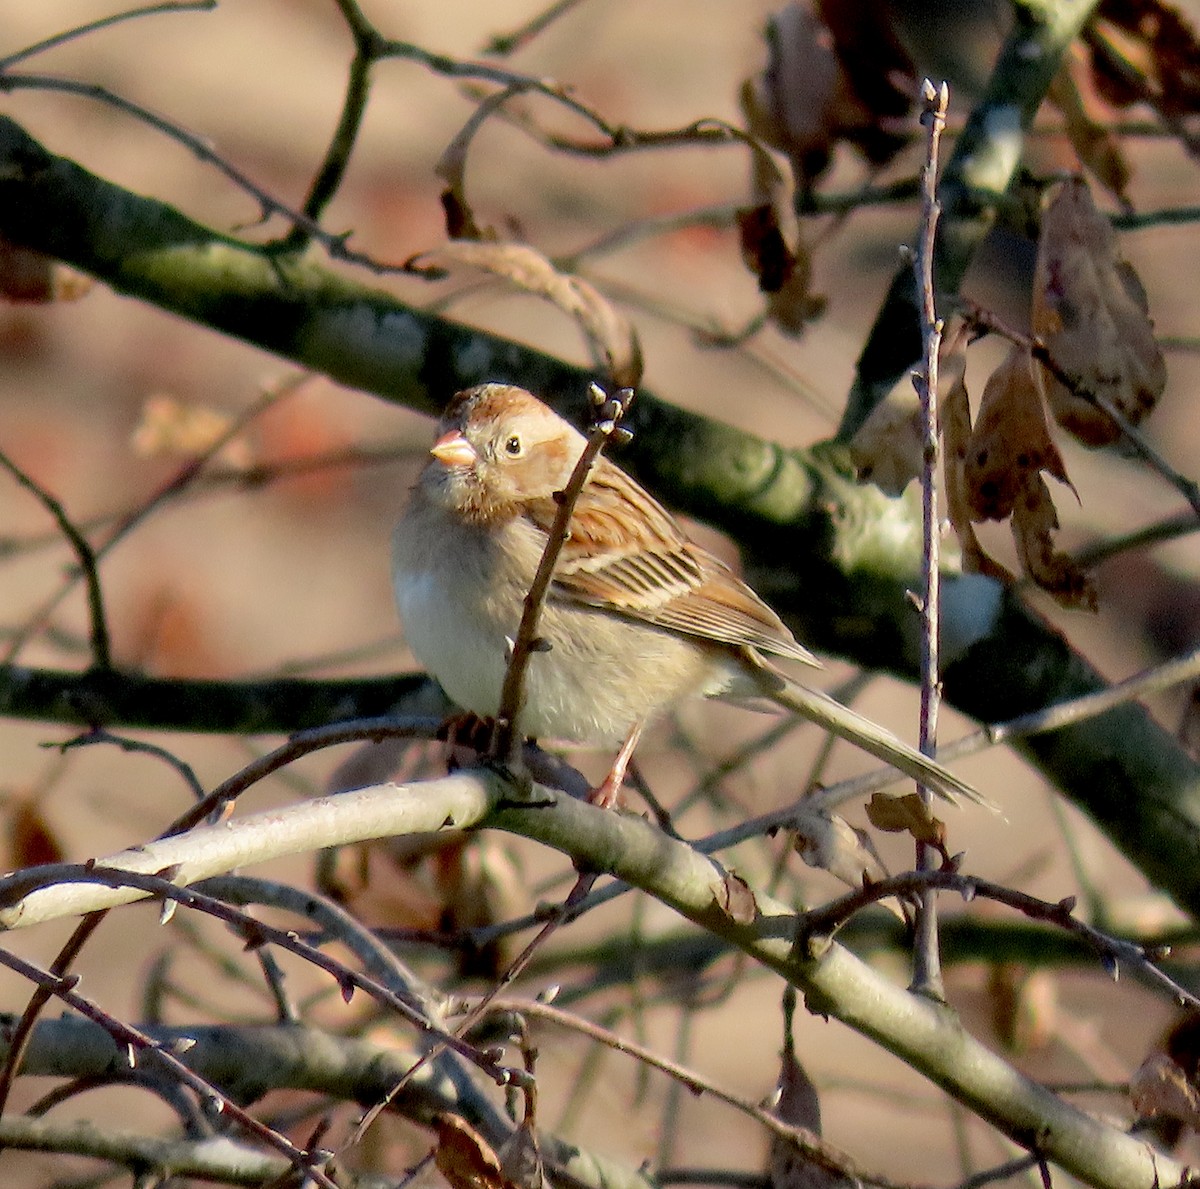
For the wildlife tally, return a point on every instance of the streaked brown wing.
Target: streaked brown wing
(626, 553)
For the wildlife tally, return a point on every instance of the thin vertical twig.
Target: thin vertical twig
(506, 742)
(927, 970)
(86, 556)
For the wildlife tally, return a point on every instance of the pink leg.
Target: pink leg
(608, 793)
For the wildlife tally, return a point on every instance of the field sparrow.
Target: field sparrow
(638, 617)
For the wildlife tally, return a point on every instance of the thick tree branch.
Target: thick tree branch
(927, 1036)
(794, 512)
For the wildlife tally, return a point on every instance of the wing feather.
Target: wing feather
(628, 555)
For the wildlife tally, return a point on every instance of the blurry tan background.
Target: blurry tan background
(232, 582)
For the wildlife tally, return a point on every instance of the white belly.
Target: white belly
(460, 607)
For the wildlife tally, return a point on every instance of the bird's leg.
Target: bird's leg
(463, 731)
(608, 792)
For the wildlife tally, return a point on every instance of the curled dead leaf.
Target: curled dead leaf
(1034, 520)
(1090, 312)
(464, 1157)
(610, 336)
(521, 1159)
(1145, 51)
(829, 77)
(1024, 1006)
(907, 815)
(956, 438)
(789, 1166)
(30, 839)
(1010, 443)
(735, 898)
(1159, 1086)
(783, 269)
(171, 426)
(888, 448)
(831, 843)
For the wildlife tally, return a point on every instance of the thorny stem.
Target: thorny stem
(610, 409)
(927, 975)
(821, 1152)
(571, 907)
(825, 921)
(137, 1042)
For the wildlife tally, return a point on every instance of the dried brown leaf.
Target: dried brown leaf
(464, 1157)
(1024, 1003)
(880, 72)
(888, 448)
(793, 103)
(521, 1159)
(788, 1165)
(784, 273)
(764, 248)
(31, 841)
(1010, 443)
(792, 307)
(1160, 1087)
(829, 77)
(609, 334)
(1145, 51)
(1034, 520)
(171, 426)
(1072, 92)
(906, 814)
(956, 437)
(831, 843)
(1089, 309)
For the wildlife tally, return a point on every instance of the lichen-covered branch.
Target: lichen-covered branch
(834, 557)
(926, 1035)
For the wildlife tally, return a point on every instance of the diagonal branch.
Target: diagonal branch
(789, 509)
(927, 1036)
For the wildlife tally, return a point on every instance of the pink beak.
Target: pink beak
(454, 450)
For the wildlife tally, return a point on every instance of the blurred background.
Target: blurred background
(291, 574)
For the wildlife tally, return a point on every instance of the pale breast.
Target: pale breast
(460, 592)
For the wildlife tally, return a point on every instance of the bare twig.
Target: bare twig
(42, 995)
(1112, 951)
(84, 553)
(927, 974)
(49, 43)
(503, 44)
(609, 411)
(1154, 680)
(301, 744)
(136, 1042)
(90, 738)
(812, 1145)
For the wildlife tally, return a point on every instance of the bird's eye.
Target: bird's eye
(512, 446)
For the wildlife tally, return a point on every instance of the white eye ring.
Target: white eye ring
(513, 446)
